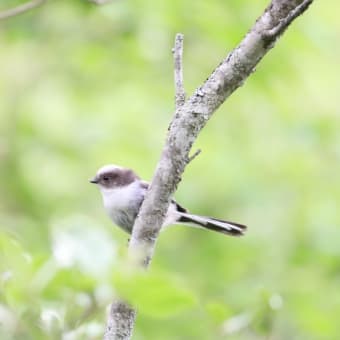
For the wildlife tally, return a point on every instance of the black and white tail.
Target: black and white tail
(210, 223)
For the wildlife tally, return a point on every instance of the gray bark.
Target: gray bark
(120, 323)
(192, 116)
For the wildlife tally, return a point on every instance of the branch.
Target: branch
(100, 2)
(283, 24)
(178, 74)
(192, 116)
(120, 322)
(21, 9)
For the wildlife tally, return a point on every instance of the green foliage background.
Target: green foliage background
(82, 86)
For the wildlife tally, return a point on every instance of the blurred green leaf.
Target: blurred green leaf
(218, 312)
(154, 294)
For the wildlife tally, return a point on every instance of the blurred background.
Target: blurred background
(84, 85)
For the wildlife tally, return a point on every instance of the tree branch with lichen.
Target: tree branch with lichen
(190, 117)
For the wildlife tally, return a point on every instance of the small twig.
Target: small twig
(100, 2)
(192, 157)
(20, 9)
(178, 66)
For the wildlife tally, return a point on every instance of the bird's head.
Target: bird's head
(112, 176)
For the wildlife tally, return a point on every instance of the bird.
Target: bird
(123, 192)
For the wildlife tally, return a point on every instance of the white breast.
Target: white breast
(118, 197)
(122, 204)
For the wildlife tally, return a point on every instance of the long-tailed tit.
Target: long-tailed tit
(123, 193)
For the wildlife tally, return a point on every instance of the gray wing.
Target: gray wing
(125, 218)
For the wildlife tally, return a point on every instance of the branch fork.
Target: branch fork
(191, 115)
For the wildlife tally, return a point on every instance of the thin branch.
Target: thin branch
(21, 9)
(194, 155)
(178, 68)
(100, 2)
(192, 116)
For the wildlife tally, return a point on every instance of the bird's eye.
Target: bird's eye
(106, 178)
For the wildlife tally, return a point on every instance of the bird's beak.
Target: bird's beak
(94, 180)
